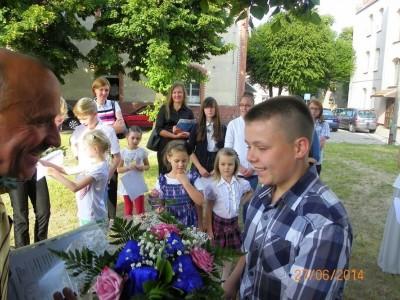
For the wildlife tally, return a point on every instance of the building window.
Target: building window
(377, 57)
(370, 28)
(366, 66)
(379, 21)
(193, 93)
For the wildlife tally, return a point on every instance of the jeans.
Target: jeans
(38, 193)
(112, 196)
(253, 180)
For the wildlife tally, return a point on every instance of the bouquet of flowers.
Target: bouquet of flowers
(155, 258)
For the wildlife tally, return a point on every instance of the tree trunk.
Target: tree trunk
(270, 90)
(280, 90)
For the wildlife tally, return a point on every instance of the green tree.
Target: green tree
(45, 29)
(154, 38)
(160, 39)
(300, 55)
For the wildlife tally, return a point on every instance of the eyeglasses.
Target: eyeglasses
(245, 105)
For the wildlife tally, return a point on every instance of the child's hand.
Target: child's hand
(132, 166)
(139, 168)
(182, 178)
(154, 193)
(160, 209)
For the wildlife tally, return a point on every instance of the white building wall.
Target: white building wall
(222, 71)
(376, 26)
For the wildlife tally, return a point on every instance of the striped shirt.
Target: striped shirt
(107, 112)
(306, 231)
(4, 249)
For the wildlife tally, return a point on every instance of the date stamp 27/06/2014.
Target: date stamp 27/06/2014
(325, 274)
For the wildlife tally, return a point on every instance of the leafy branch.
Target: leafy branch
(85, 261)
(124, 231)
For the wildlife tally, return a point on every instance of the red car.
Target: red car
(137, 118)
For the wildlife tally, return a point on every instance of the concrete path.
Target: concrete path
(344, 136)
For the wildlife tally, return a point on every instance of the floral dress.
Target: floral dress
(177, 200)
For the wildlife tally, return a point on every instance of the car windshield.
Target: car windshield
(328, 112)
(366, 114)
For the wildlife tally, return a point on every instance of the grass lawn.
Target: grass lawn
(361, 175)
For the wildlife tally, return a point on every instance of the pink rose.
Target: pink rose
(202, 259)
(162, 230)
(108, 285)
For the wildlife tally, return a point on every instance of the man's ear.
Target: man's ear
(302, 147)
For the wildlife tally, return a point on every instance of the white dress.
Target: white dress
(389, 254)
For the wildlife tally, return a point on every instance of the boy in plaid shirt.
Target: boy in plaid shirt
(297, 236)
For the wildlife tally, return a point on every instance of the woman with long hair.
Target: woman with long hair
(321, 127)
(209, 137)
(167, 119)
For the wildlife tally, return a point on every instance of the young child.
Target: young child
(90, 186)
(180, 190)
(223, 196)
(134, 160)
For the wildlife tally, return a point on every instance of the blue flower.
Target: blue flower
(187, 276)
(141, 275)
(174, 243)
(129, 254)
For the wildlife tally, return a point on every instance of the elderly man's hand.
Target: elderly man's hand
(67, 294)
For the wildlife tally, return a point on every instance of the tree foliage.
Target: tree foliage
(160, 38)
(154, 38)
(45, 29)
(300, 55)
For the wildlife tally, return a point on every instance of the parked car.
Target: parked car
(331, 118)
(70, 121)
(355, 119)
(138, 118)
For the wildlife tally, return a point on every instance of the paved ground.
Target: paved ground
(357, 137)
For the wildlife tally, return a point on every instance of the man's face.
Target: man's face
(271, 155)
(27, 123)
(244, 105)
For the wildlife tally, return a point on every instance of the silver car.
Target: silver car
(355, 119)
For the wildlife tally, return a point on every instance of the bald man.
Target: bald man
(29, 103)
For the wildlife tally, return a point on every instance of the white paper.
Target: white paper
(134, 184)
(56, 157)
(396, 203)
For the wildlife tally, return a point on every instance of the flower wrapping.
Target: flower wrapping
(155, 257)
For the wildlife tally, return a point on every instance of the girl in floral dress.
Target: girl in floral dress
(181, 191)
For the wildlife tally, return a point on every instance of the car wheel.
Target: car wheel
(334, 129)
(72, 123)
(352, 128)
(372, 130)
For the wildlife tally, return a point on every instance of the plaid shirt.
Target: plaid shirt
(307, 230)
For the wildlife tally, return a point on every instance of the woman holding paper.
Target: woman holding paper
(167, 120)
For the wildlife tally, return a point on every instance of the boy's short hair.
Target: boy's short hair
(84, 107)
(292, 113)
